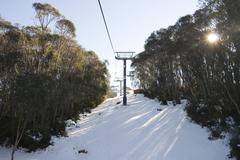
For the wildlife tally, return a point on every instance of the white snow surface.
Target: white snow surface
(133, 132)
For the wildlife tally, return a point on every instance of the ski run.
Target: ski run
(142, 130)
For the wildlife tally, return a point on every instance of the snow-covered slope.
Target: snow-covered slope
(134, 132)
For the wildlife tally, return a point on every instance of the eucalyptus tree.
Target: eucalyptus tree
(179, 62)
(45, 79)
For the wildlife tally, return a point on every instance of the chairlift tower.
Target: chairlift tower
(119, 80)
(124, 56)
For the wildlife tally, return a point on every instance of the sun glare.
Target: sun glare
(212, 37)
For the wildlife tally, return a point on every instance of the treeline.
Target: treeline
(178, 62)
(45, 79)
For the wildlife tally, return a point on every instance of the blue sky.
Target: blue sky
(130, 21)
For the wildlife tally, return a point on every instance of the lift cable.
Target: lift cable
(104, 19)
(119, 56)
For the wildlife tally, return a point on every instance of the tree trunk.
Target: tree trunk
(19, 134)
(231, 98)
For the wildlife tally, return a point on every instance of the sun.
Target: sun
(212, 37)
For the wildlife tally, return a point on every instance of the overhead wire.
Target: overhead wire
(106, 26)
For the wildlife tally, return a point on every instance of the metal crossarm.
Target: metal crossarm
(124, 55)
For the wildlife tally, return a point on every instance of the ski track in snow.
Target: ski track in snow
(134, 132)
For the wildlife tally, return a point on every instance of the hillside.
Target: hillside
(143, 130)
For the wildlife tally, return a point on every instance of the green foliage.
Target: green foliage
(66, 27)
(234, 143)
(45, 79)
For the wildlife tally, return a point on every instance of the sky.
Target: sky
(130, 22)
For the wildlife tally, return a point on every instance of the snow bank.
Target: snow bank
(135, 132)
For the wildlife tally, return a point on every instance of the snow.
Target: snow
(135, 132)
